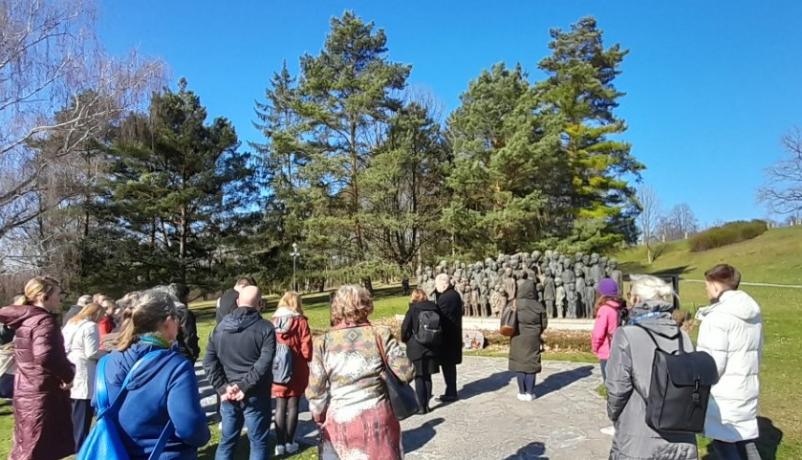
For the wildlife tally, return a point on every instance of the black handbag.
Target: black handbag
(401, 395)
(509, 319)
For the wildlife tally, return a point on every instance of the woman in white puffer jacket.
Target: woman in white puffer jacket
(82, 344)
(732, 332)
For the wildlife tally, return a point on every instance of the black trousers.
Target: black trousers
(450, 377)
(423, 382)
(82, 413)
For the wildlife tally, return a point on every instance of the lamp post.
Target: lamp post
(295, 254)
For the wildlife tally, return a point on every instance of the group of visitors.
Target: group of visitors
(64, 376)
(54, 391)
(625, 336)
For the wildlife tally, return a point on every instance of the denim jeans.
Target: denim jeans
(526, 383)
(603, 365)
(254, 411)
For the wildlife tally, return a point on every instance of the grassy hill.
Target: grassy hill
(774, 257)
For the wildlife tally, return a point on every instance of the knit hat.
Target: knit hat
(607, 287)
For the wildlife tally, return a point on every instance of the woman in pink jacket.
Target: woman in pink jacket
(609, 307)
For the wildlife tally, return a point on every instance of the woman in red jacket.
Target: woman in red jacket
(42, 413)
(292, 330)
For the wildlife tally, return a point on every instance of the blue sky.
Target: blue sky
(711, 86)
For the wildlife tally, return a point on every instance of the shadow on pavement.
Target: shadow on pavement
(486, 385)
(418, 437)
(531, 451)
(562, 379)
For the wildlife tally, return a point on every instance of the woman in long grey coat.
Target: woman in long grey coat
(525, 345)
(629, 374)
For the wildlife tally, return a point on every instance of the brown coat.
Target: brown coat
(42, 415)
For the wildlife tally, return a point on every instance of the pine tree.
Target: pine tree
(347, 93)
(506, 175)
(177, 187)
(403, 187)
(282, 159)
(580, 89)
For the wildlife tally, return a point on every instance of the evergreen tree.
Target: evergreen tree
(282, 159)
(177, 188)
(347, 95)
(580, 89)
(507, 171)
(403, 187)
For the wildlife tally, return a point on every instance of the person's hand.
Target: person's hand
(234, 393)
(65, 386)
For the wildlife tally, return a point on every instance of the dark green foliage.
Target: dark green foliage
(543, 163)
(173, 197)
(508, 173)
(732, 232)
(580, 89)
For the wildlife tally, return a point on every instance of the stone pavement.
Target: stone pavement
(490, 423)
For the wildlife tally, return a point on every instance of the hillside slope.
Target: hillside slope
(773, 257)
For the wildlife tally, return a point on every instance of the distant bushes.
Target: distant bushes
(729, 233)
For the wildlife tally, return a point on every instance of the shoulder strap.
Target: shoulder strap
(681, 348)
(103, 397)
(102, 388)
(649, 333)
(379, 346)
(162, 441)
(101, 392)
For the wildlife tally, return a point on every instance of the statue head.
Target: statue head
(594, 258)
(547, 272)
(558, 281)
(536, 256)
(612, 263)
(579, 272)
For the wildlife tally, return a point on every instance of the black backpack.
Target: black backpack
(679, 389)
(429, 331)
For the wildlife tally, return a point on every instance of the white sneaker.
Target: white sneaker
(291, 448)
(279, 450)
(521, 396)
(608, 430)
(530, 397)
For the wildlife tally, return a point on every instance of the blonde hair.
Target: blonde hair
(292, 300)
(90, 312)
(149, 310)
(19, 299)
(648, 287)
(352, 304)
(43, 285)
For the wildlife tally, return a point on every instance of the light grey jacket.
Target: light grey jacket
(629, 373)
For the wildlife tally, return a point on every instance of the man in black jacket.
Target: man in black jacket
(450, 304)
(228, 301)
(239, 365)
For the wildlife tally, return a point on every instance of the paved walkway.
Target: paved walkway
(490, 423)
